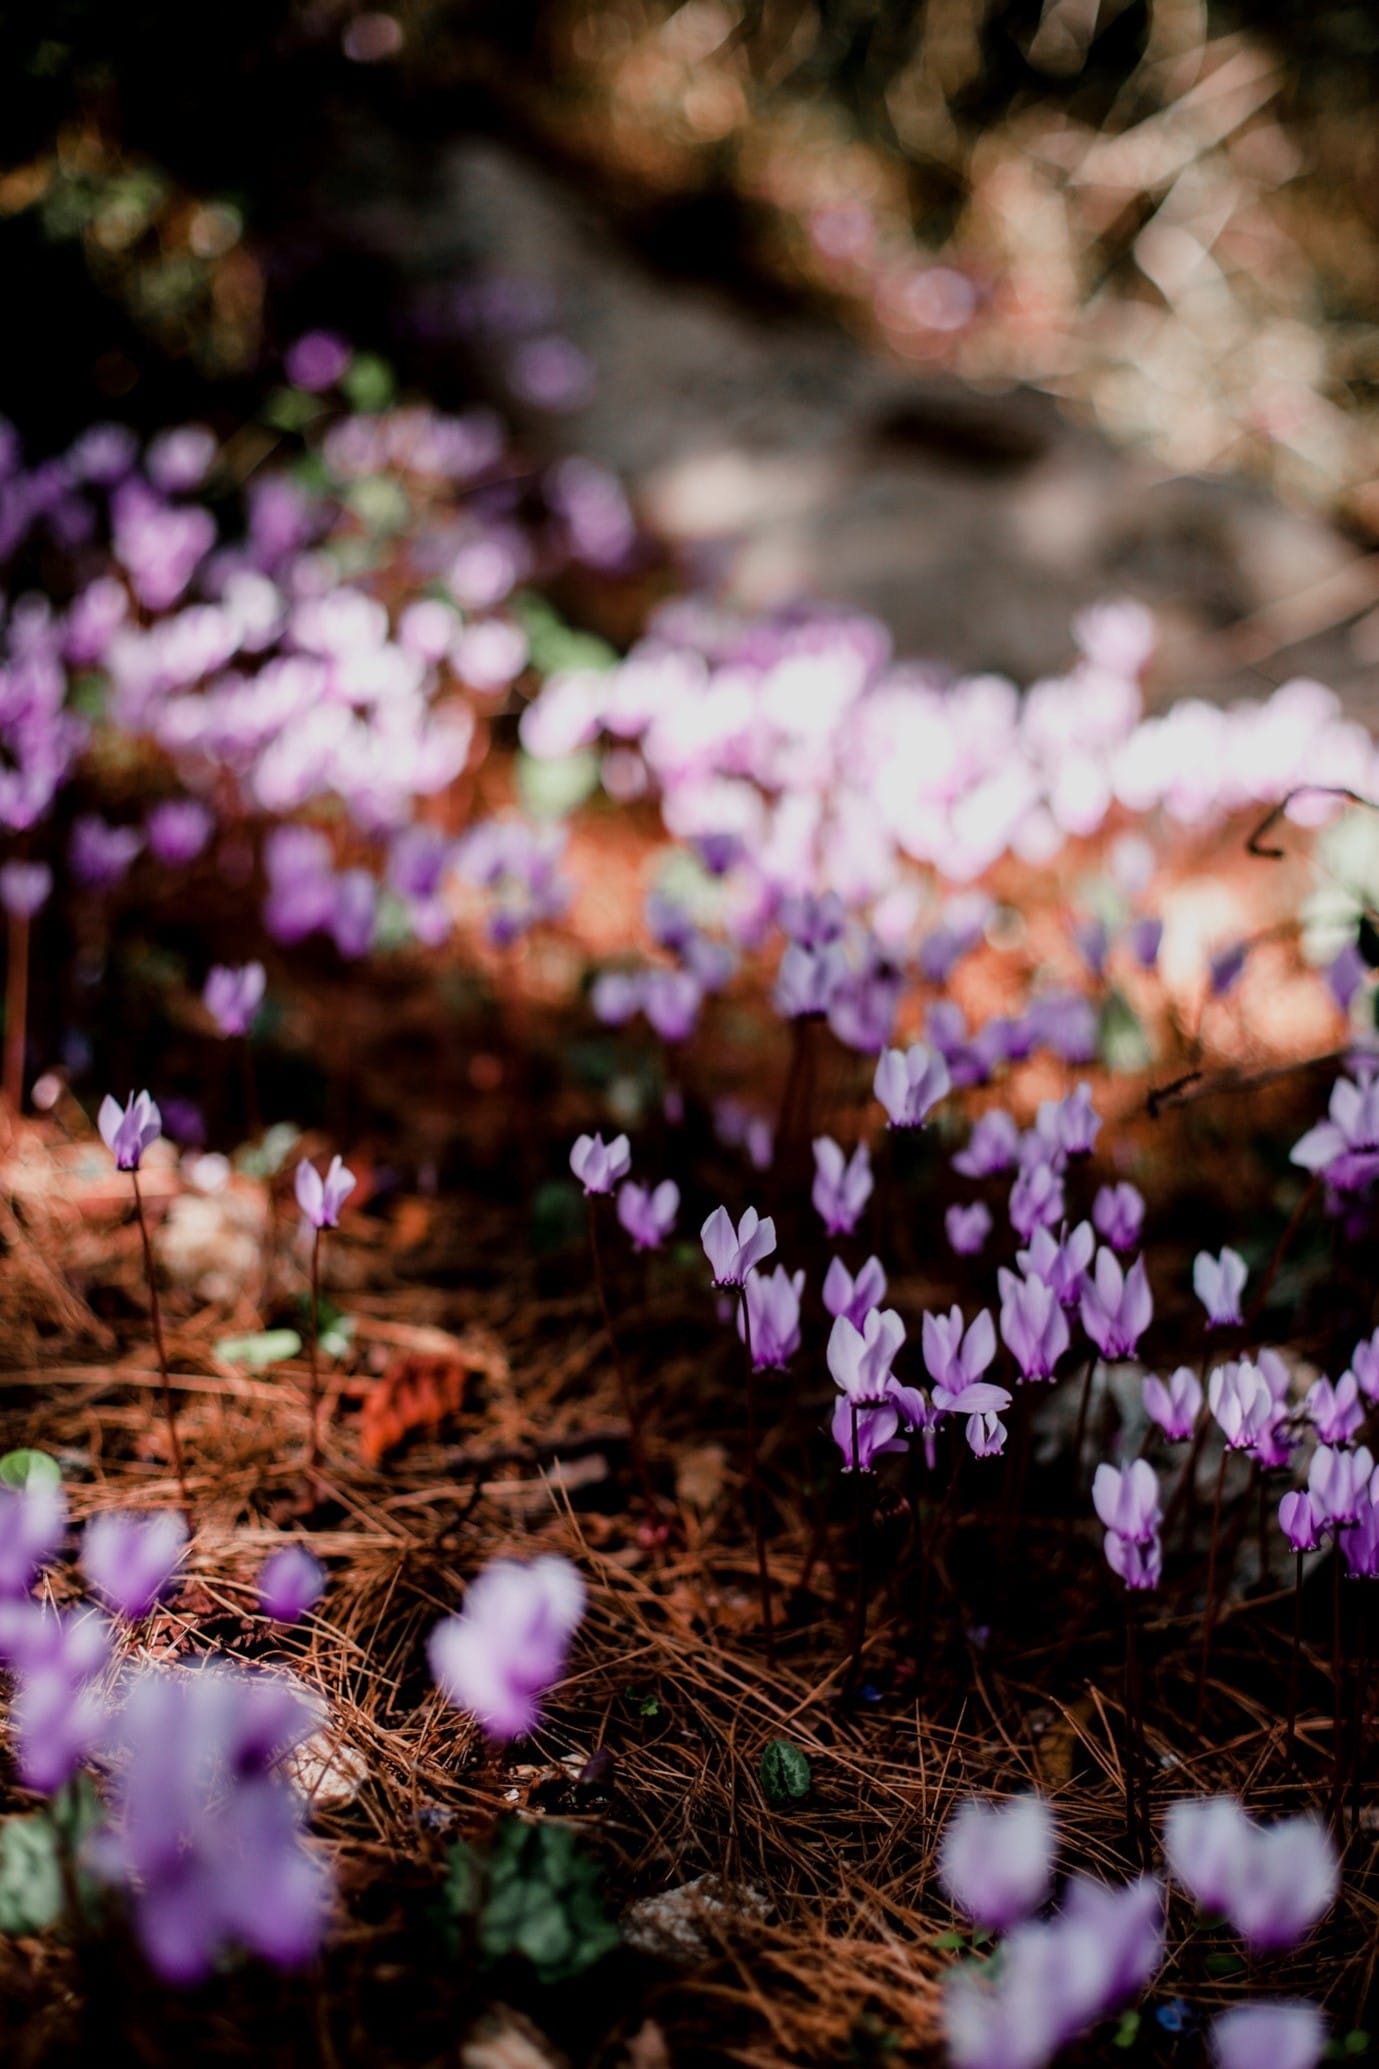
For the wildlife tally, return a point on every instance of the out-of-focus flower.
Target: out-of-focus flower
(1272, 1883)
(991, 1147)
(1176, 1406)
(1118, 1215)
(101, 854)
(131, 1559)
(909, 1084)
(1061, 1262)
(178, 830)
(598, 1165)
(1036, 1200)
(967, 1228)
(772, 1321)
(1033, 1326)
(1225, 968)
(732, 1252)
(996, 1859)
(56, 1714)
(127, 1131)
(1274, 2034)
(32, 1520)
(233, 996)
(507, 1648)
(321, 1199)
(1344, 1148)
(316, 360)
(1069, 1126)
(291, 1582)
(1218, 1283)
(1338, 1482)
(842, 1185)
(855, 1298)
(1335, 1412)
(24, 887)
(648, 1213)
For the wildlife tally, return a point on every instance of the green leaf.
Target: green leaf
(551, 789)
(785, 1774)
(29, 1469)
(263, 1158)
(1224, 1964)
(946, 1943)
(1125, 1045)
(291, 409)
(30, 1875)
(542, 1901)
(368, 382)
(557, 1216)
(1127, 2032)
(270, 1347)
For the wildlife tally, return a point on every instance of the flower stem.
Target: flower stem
(1293, 1665)
(1080, 1433)
(859, 1614)
(625, 1388)
(754, 1481)
(1337, 1697)
(16, 1010)
(313, 1447)
(156, 1317)
(1131, 1755)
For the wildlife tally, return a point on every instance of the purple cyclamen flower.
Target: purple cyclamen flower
(1176, 1406)
(648, 1213)
(1060, 1262)
(1034, 1328)
(206, 1831)
(1118, 1215)
(807, 979)
(316, 360)
(290, 1583)
(671, 1000)
(985, 1432)
(1145, 936)
(996, 1860)
(55, 1713)
(1345, 1146)
(876, 1428)
(1335, 1412)
(1360, 1544)
(101, 854)
(598, 1165)
(1275, 2034)
(967, 1228)
(1226, 967)
(1364, 1363)
(1302, 1521)
(1092, 940)
(1116, 1306)
(24, 887)
(1242, 1401)
(842, 1185)
(954, 1359)
(178, 830)
(1346, 974)
(499, 1657)
(855, 1298)
(1339, 1482)
(1271, 1883)
(131, 1559)
(732, 1252)
(1139, 1566)
(909, 1083)
(860, 1360)
(1218, 1283)
(1069, 1126)
(1127, 1500)
(32, 1520)
(773, 1318)
(1036, 1200)
(321, 1199)
(991, 1147)
(233, 996)
(127, 1131)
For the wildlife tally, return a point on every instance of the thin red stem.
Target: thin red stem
(16, 1010)
(754, 1481)
(156, 1317)
(1209, 1618)
(313, 1449)
(625, 1388)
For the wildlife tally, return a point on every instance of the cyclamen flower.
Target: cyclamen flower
(1242, 1402)
(967, 1228)
(127, 1131)
(1069, 1126)
(1271, 1883)
(1225, 968)
(1033, 1326)
(648, 1213)
(855, 1298)
(910, 1083)
(842, 1185)
(55, 1713)
(1339, 1482)
(1036, 1200)
(1118, 1215)
(991, 1147)
(1360, 1544)
(1116, 1306)
(321, 1199)
(178, 830)
(290, 1583)
(32, 1520)
(206, 1831)
(1364, 1363)
(772, 1318)
(1176, 1406)
(1335, 1411)
(996, 1860)
(1127, 1500)
(100, 854)
(1218, 1283)
(955, 1360)
(1145, 936)
(876, 1427)
(985, 1432)
(508, 1646)
(233, 996)
(1345, 1147)
(1274, 2034)
(1302, 1521)
(860, 1360)
(131, 1559)
(24, 887)
(1060, 1262)
(1139, 1566)
(732, 1252)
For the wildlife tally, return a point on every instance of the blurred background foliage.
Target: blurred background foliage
(1164, 212)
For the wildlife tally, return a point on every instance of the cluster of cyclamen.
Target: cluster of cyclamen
(647, 1213)
(1057, 1975)
(202, 1831)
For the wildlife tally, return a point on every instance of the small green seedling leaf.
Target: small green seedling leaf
(785, 1774)
(1127, 2032)
(257, 1353)
(29, 1469)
